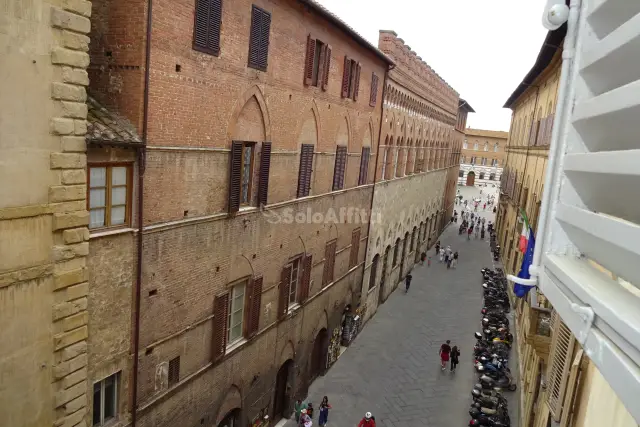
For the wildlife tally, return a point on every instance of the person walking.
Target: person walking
(482, 233)
(407, 281)
(324, 412)
(441, 254)
(455, 259)
(305, 420)
(469, 231)
(423, 256)
(298, 407)
(455, 354)
(437, 247)
(445, 352)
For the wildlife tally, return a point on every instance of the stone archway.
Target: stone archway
(319, 354)
(231, 419)
(282, 398)
(471, 178)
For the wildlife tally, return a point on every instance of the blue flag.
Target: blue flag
(521, 291)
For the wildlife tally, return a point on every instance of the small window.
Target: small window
(484, 161)
(339, 167)
(486, 146)
(351, 78)
(305, 170)
(236, 313)
(364, 166)
(105, 400)
(495, 148)
(259, 38)
(174, 371)
(465, 144)
(109, 196)
(293, 280)
(463, 159)
(206, 28)
(373, 97)
(481, 175)
(246, 169)
(475, 146)
(461, 174)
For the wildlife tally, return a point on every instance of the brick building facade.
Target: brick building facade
(414, 187)
(482, 157)
(260, 115)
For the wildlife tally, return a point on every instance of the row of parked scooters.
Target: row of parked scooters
(491, 355)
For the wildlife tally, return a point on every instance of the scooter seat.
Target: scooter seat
(488, 411)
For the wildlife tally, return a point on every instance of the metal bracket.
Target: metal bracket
(587, 315)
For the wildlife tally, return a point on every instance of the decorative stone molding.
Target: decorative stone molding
(70, 219)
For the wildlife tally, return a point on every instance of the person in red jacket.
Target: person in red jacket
(368, 421)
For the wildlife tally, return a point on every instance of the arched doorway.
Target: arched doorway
(383, 277)
(319, 354)
(232, 419)
(404, 254)
(471, 178)
(374, 271)
(281, 401)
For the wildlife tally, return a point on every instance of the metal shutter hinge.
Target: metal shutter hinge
(587, 315)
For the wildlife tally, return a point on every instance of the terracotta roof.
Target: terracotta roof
(464, 104)
(330, 16)
(487, 133)
(106, 126)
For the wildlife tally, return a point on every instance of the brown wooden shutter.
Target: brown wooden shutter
(265, 165)
(283, 296)
(364, 165)
(355, 248)
(305, 280)
(373, 97)
(308, 64)
(235, 175)
(542, 131)
(255, 306)
(220, 321)
(549, 130)
(339, 168)
(259, 38)
(206, 28)
(329, 262)
(327, 67)
(304, 173)
(346, 77)
(356, 82)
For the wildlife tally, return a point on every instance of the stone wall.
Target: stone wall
(43, 217)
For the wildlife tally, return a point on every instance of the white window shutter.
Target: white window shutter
(594, 209)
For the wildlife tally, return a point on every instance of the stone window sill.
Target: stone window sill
(110, 232)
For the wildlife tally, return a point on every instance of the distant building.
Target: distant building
(482, 157)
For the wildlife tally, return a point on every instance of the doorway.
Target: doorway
(319, 355)
(383, 278)
(373, 272)
(281, 401)
(404, 254)
(232, 419)
(471, 178)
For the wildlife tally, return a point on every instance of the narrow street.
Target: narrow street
(392, 369)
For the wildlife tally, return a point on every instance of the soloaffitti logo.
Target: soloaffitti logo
(344, 215)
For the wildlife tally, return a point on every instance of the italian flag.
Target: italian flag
(524, 236)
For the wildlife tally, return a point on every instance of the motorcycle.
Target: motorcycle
(501, 379)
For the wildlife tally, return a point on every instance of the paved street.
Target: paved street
(392, 369)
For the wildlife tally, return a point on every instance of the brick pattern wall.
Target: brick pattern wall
(70, 274)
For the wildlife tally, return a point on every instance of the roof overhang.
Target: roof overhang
(464, 105)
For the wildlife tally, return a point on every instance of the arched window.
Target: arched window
(496, 147)
(486, 146)
(481, 175)
(465, 145)
(475, 146)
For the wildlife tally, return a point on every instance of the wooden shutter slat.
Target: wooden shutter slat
(201, 23)
(308, 65)
(255, 305)
(304, 174)
(305, 281)
(326, 68)
(356, 83)
(220, 313)
(364, 165)
(329, 262)
(283, 296)
(355, 248)
(215, 21)
(259, 38)
(339, 168)
(373, 97)
(346, 77)
(265, 165)
(235, 175)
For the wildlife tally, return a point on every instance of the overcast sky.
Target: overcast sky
(482, 48)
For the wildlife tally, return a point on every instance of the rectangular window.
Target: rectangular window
(259, 38)
(351, 78)
(174, 371)
(355, 248)
(246, 169)
(105, 400)
(364, 165)
(373, 96)
(109, 195)
(206, 28)
(236, 313)
(384, 163)
(317, 63)
(293, 280)
(340, 167)
(329, 262)
(306, 169)
(484, 161)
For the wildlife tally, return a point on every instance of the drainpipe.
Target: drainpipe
(142, 151)
(558, 142)
(375, 172)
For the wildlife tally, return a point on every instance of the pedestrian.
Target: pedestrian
(324, 412)
(484, 208)
(298, 407)
(455, 354)
(482, 233)
(441, 254)
(449, 262)
(407, 281)
(437, 247)
(305, 420)
(469, 231)
(310, 410)
(455, 259)
(477, 231)
(445, 351)
(423, 256)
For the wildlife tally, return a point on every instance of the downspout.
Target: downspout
(142, 151)
(558, 143)
(375, 172)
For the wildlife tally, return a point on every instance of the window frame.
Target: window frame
(252, 145)
(297, 262)
(174, 361)
(204, 49)
(250, 64)
(108, 189)
(229, 327)
(103, 421)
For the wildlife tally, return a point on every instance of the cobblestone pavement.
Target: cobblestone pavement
(392, 369)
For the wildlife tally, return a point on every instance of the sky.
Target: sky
(482, 48)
